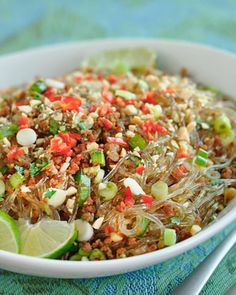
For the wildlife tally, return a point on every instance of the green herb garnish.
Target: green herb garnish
(8, 130)
(175, 220)
(19, 169)
(36, 168)
(53, 126)
(4, 169)
(81, 125)
(49, 193)
(38, 87)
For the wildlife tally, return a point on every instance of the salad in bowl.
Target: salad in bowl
(114, 159)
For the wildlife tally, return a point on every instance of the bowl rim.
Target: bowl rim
(140, 261)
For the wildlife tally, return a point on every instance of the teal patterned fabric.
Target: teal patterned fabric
(25, 24)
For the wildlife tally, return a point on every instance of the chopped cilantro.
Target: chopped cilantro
(81, 125)
(35, 168)
(53, 126)
(175, 220)
(135, 159)
(19, 169)
(8, 130)
(4, 169)
(49, 193)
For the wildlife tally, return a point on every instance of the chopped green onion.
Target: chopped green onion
(16, 180)
(81, 125)
(8, 130)
(169, 237)
(137, 141)
(142, 226)
(98, 158)
(53, 126)
(49, 193)
(175, 220)
(156, 110)
(84, 183)
(198, 123)
(91, 171)
(19, 169)
(2, 187)
(107, 190)
(200, 161)
(222, 124)
(97, 254)
(39, 87)
(136, 160)
(227, 138)
(125, 94)
(37, 96)
(143, 85)
(82, 253)
(202, 153)
(159, 190)
(4, 169)
(75, 257)
(36, 168)
(209, 88)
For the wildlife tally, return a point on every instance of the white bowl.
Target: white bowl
(206, 65)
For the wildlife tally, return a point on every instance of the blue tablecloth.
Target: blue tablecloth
(25, 24)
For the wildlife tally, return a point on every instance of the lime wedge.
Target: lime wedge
(9, 233)
(122, 60)
(47, 238)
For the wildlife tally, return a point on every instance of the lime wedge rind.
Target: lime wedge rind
(47, 238)
(133, 58)
(10, 234)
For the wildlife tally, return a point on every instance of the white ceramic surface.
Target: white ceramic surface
(206, 65)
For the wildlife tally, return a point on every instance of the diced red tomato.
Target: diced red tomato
(63, 143)
(122, 87)
(148, 200)
(103, 110)
(119, 141)
(78, 78)
(145, 109)
(99, 77)
(19, 103)
(24, 122)
(49, 93)
(108, 229)
(68, 138)
(59, 147)
(112, 79)
(168, 91)
(179, 172)
(128, 197)
(140, 169)
(154, 127)
(93, 108)
(70, 103)
(15, 153)
(89, 77)
(130, 101)
(182, 154)
(108, 96)
(121, 206)
(107, 123)
(150, 97)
